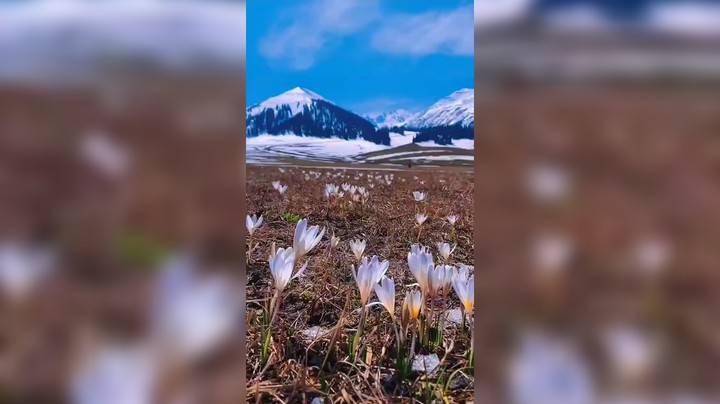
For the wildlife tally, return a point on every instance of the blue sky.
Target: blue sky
(364, 55)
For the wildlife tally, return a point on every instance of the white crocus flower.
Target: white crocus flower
(353, 189)
(445, 250)
(364, 195)
(412, 305)
(632, 351)
(306, 238)
(252, 223)
(330, 190)
(419, 196)
(452, 219)
(549, 183)
(193, 313)
(548, 370)
(439, 278)
(345, 187)
(417, 249)
(461, 273)
(276, 185)
(552, 253)
(334, 241)
(23, 268)
(420, 263)
(282, 189)
(367, 275)
(282, 262)
(385, 291)
(106, 155)
(652, 255)
(449, 277)
(465, 290)
(420, 218)
(116, 374)
(358, 247)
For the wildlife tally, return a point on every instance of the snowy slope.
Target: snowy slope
(266, 148)
(277, 148)
(270, 148)
(457, 108)
(391, 119)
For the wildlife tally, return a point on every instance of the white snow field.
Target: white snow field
(266, 148)
(271, 148)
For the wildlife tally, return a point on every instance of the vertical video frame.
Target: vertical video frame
(359, 163)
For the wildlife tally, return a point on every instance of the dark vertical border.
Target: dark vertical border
(243, 212)
(476, 228)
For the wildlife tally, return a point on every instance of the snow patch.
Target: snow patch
(459, 143)
(397, 139)
(447, 158)
(270, 147)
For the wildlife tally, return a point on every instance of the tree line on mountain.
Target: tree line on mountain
(321, 119)
(444, 135)
(325, 120)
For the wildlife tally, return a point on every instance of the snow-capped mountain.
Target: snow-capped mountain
(392, 119)
(448, 120)
(305, 113)
(457, 109)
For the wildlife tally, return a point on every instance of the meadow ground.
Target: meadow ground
(308, 354)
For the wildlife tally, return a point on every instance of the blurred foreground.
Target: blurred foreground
(121, 242)
(597, 205)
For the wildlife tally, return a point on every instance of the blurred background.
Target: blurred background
(121, 193)
(598, 186)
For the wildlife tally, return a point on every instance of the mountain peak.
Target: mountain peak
(456, 108)
(303, 93)
(464, 91)
(296, 98)
(397, 117)
(462, 94)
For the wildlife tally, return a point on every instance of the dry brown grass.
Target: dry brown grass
(327, 293)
